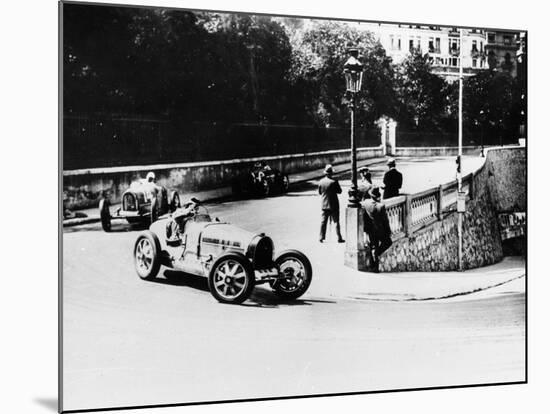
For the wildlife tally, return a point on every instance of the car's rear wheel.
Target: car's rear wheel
(154, 209)
(231, 278)
(105, 214)
(147, 256)
(174, 201)
(297, 270)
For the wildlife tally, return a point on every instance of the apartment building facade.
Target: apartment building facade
(482, 49)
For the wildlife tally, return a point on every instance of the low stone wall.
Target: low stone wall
(435, 247)
(84, 188)
(435, 151)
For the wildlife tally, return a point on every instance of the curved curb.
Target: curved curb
(411, 298)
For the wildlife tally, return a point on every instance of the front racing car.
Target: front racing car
(234, 260)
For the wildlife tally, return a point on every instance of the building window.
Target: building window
(490, 37)
(454, 62)
(474, 63)
(481, 46)
(474, 45)
(507, 40)
(392, 45)
(437, 45)
(411, 44)
(431, 47)
(453, 45)
(398, 42)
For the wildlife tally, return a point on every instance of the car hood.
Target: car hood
(226, 234)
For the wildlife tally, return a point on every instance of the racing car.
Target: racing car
(234, 260)
(261, 180)
(142, 203)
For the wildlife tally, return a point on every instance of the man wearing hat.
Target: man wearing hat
(329, 188)
(393, 180)
(377, 226)
(365, 183)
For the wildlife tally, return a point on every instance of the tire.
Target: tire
(265, 188)
(298, 268)
(147, 256)
(105, 214)
(285, 183)
(175, 201)
(154, 209)
(222, 280)
(163, 205)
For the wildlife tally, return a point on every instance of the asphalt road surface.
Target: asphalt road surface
(131, 342)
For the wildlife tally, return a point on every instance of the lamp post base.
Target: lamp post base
(355, 256)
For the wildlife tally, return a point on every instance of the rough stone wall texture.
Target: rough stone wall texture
(435, 247)
(507, 178)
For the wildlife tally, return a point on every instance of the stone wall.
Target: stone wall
(507, 178)
(435, 247)
(84, 188)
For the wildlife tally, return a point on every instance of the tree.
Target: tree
(492, 101)
(319, 51)
(426, 99)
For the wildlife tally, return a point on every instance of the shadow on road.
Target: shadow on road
(175, 278)
(49, 403)
(117, 227)
(260, 298)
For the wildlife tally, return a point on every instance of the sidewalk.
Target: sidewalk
(91, 215)
(351, 284)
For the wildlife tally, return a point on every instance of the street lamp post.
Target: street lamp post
(482, 113)
(353, 72)
(355, 255)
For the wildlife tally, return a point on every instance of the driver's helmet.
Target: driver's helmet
(150, 178)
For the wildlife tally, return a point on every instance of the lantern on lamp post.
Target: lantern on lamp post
(355, 255)
(353, 73)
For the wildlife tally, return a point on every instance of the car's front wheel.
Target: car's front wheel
(285, 183)
(231, 278)
(147, 255)
(296, 268)
(265, 188)
(105, 214)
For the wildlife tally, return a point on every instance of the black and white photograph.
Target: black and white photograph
(260, 206)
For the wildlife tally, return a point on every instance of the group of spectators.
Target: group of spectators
(375, 219)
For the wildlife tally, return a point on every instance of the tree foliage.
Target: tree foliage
(212, 67)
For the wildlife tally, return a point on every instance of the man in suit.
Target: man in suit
(377, 227)
(393, 180)
(329, 188)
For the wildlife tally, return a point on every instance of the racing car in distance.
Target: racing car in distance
(261, 180)
(142, 203)
(234, 260)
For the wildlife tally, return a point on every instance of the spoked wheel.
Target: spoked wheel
(285, 184)
(146, 256)
(231, 278)
(105, 214)
(297, 270)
